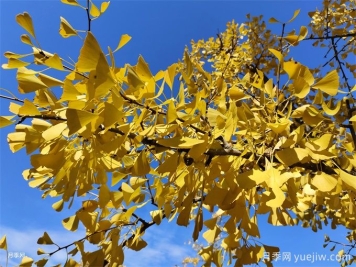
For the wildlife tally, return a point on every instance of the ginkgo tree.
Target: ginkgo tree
(251, 131)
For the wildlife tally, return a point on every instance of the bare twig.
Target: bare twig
(88, 15)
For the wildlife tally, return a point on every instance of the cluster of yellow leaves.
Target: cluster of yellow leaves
(230, 137)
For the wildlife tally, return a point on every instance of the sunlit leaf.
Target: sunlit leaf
(25, 21)
(71, 223)
(324, 182)
(66, 30)
(89, 54)
(104, 6)
(179, 142)
(28, 82)
(141, 166)
(5, 121)
(277, 54)
(143, 70)
(329, 83)
(70, 2)
(28, 109)
(273, 20)
(169, 75)
(58, 206)
(290, 156)
(77, 119)
(136, 245)
(347, 178)
(45, 239)
(294, 15)
(125, 38)
(94, 10)
(3, 244)
(14, 63)
(54, 62)
(26, 262)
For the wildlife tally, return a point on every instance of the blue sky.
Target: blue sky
(160, 30)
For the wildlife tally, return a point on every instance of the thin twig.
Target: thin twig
(88, 15)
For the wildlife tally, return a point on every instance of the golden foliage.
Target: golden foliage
(233, 140)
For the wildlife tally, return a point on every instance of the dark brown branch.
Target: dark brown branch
(330, 37)
(11, 98)
(86, 237)
(44, 117)
(88, 15)
(279, 66)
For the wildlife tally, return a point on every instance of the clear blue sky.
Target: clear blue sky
(160, 30)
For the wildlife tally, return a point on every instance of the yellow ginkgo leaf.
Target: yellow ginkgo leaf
(321, 143)
(28, 82)
(143, 70)
(330, 111)
(353, 118)
(104, 80)
(294, 39)
(104, 195)
(49, 81)
(25, 21)
(5, 121)
(88, 219)
(111, 115)
(45, 239)
(90, 205)
(29, 109)
(290, 156)
(157, 216)
(294, 15)
(179, 142)
(70, 2)
(14, 63)
(141, 166)
(347, 178)
(65, 29)
(236, 93)
(279, 127)
(26, 39)
(9, 54)
(328, 84)
(71, 223)
(277, 54)
(136, 245)
(127, 192)
(273, 20)
(38, 182)
(3, 244)
(301, 87)
(104, 6)
(94, 10)
(77, 119)
(69, 91)
(58, 206)
(54, 62)
(26, 262)
(169, 75)
(54, 131)
(324, 182)
(89, 54)
(125, 38)
(171, 112)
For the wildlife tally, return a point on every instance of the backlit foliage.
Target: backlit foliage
(251, 131)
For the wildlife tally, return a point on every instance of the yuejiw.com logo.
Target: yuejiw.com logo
(310, 257)
(316, 257)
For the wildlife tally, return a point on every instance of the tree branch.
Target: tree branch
(88, 15)
(330, 37)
